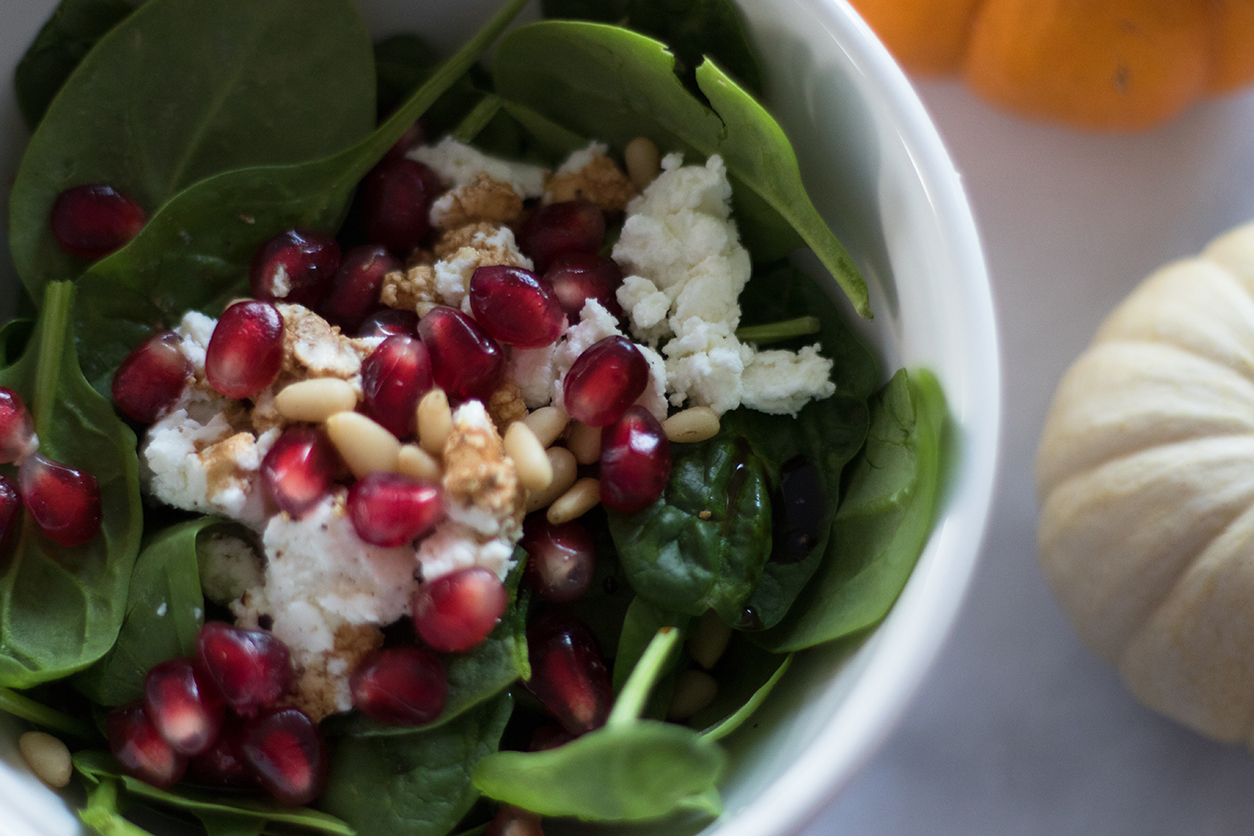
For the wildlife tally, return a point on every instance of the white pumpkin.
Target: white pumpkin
(1145, 475)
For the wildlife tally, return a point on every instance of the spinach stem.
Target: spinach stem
(644, 676)
(774, 332)
(478, 118)
(52, 328)
(11, 702)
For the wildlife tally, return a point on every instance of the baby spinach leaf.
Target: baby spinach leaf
(640, 626)
(21, 705)
(184, 89)
(746, 674)
(630, 772)
(613, 84)
(415, 784)
(103, 812)
(61, 608)
(164, 611)
(401, 63)
(655, 663)
(194, 253)
(883, 522)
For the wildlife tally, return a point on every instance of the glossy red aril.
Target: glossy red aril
(606, 379)
(10, 516)
(515, 821)
(393, 377)
(465, 361)
(456, 611)
(395, 202)
(295, 266)
(299, 469)
(16, 428)
(222, 764)
(573, 226)
(560, 558)
(140, 748)
(567, 673)
(391, 509)
(251, 668)
(185, 708)
(287, 754)
(578, 277)
(63, 501)
(151, 378)
(93, 221)
(635, 461)
(387, 322)
(245, 352)
(515, 307)
(356, 285)
(404, 686)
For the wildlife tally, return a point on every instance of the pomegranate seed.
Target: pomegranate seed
(141, 749)
(294, 266)
(605, 380)
(63, 501)
(151, 378)
(391, 509)
(10, 516)
(404, 686)
(186, 710)
(93, 221)
(395, 201)
(222, 764)
(578, 277)
(515, 307)
(635, 461)
(246, 349)
(465, 361)
(456, 611)
(387, 322)
(355, 286)
(287, 754)
(16, 429)
(251, 668)
(515, 821)
(567, 673)
(299, 469)
(560, 558)
(549, 737)
(574, 226)
(393, 377)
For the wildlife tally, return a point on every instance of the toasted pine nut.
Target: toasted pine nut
(534, 471)
(435, 421)
(412, 460)
(709, 639)
(582, 497)
(547, 423)
(47, 757)
(365, 445)
(697, 423)
(643, 163)
(693, 691)
(565, 469)
(584, 442)
(316, 399)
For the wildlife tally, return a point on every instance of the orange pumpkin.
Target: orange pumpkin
(1105, 64)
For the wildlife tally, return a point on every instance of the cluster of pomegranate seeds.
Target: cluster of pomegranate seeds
(245, 352)
(63, 501)
(183, 705)
(287, 755)
(16, 428)
(573, 226)
(93, 221)
(395, 202)
(222, 764)
(250, 668)
(567, 673)
(578, 277)
(140, 748)
(456, 611)
(391, 509)
(355, 286)
(515, 307)
(404, 686)
(393, 377)
(635, 461)
(465, 361)
(560, 558)
(294, 266)
(605, 379)
(387, 322)
(151, 378)
(299, 470)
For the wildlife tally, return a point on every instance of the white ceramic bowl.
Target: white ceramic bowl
(877, 170)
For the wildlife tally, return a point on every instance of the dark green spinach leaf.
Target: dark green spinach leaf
(44, 716)
(103, 811)
(640, 625)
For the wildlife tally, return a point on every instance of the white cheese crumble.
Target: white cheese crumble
(452, 275)
(459, 165)
(452, 546)
(229, 566)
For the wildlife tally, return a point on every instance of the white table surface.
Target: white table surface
(1019, 729)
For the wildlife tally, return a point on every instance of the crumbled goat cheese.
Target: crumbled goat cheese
(452, 546)
(229, 566)
(782, 382)
(589, 174)
(447, 281)
(481, 490)
(532, 370)
(481, 187)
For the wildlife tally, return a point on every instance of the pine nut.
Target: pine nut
(582, 497)
(315, 400)
(693, 691)
(47, 757)
(565, 468)
(414, 461)
(584, 442)
(697, 423)
(709, 639)
(435, 421)
(643, 162)
(365, 446)
(535, 473)
(547, 423)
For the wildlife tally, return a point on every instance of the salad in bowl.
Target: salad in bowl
(420, 446)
